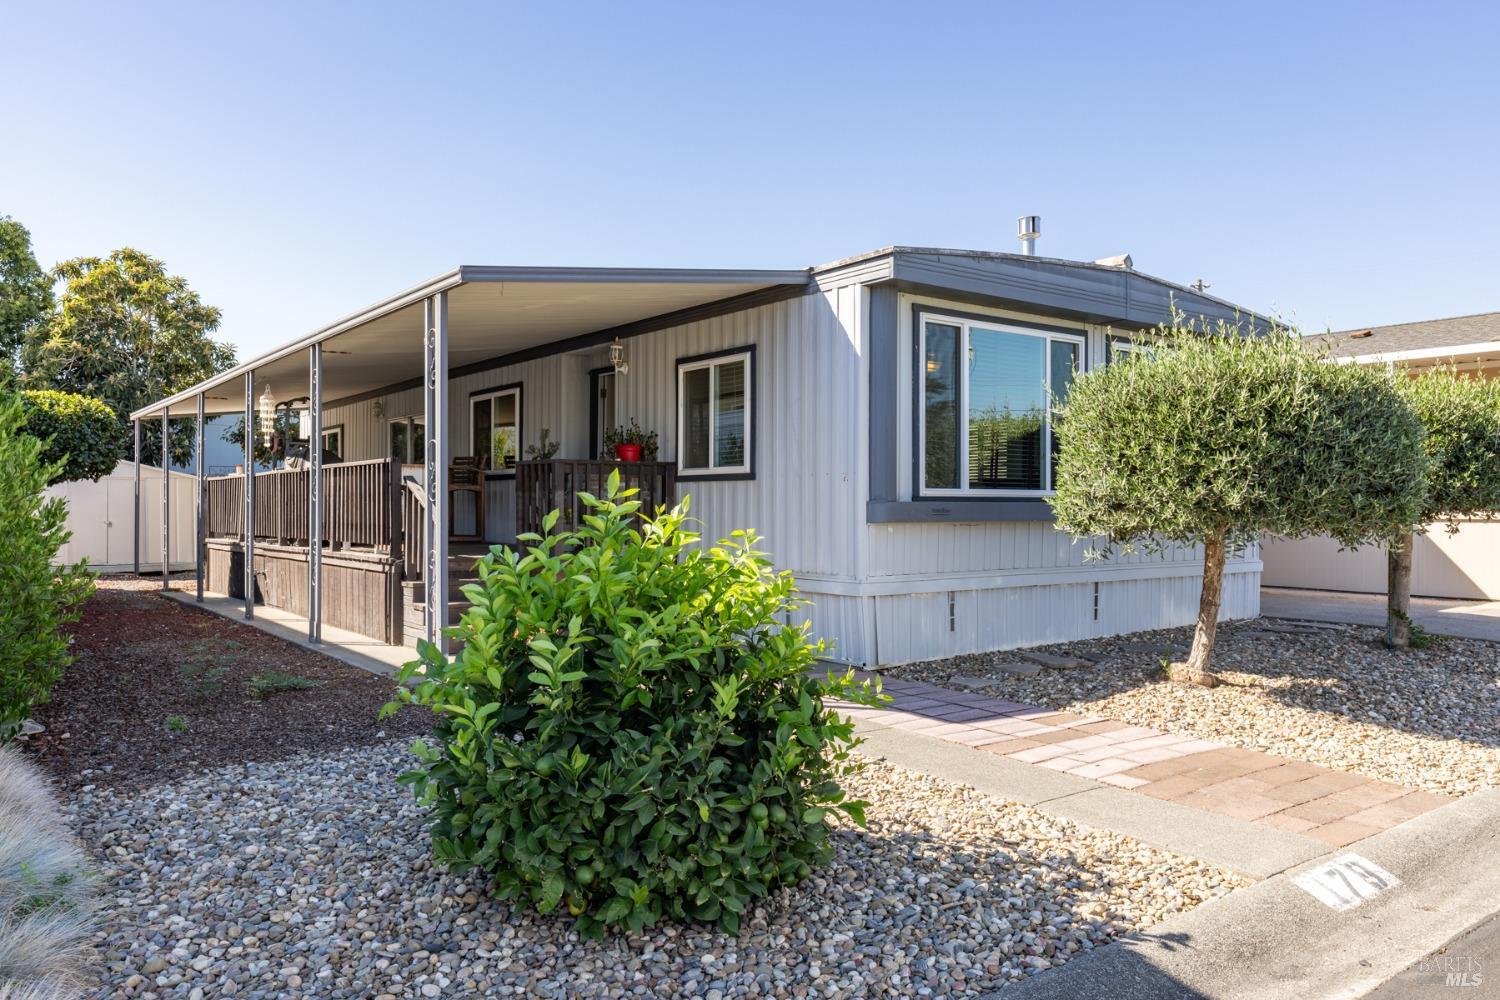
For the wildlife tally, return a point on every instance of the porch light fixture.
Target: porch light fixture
(267, 412)
(617, 358)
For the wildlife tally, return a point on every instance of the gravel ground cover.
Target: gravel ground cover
(1329, 695)
(311, 877)
(160, 689)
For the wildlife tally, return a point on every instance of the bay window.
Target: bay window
(984, 412)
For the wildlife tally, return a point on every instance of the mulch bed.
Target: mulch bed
(160, 689)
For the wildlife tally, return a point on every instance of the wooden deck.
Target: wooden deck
(374, 535)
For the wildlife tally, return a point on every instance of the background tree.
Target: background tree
(1213, 438)
(1461, 442)
(36, 598)
(127, 332)
(81, 437)
(25, 293)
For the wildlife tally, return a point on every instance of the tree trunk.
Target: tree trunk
(1195, 670)
(1398, 593)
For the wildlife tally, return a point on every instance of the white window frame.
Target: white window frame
(683, 368)
(492, 395)
(414, 455)
(965, 323)
(336, 432)
(1117, 346)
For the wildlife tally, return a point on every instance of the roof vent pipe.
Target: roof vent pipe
(1028, 228)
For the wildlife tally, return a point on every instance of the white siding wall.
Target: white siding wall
(809, 425)
(880, 592)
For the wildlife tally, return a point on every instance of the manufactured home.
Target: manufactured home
(882, 421)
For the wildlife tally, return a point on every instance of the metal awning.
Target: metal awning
(493, 312)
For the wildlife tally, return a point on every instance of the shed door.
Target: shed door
(88, 521)
(119, 548)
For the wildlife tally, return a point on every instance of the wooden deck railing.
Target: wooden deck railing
(359, 505)
(368, 505)
(554, 484)
(413, 512)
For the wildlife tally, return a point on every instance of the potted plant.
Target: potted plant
(544, 448)
(630, 443)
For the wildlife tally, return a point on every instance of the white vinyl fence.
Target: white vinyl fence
(1465, 566)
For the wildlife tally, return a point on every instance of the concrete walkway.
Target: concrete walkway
(1466, 619)
(348, 647)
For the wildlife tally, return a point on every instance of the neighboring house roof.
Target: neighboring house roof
(1428, 338)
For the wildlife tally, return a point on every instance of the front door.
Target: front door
(601, 408)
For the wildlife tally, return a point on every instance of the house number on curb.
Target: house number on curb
(1346, 881)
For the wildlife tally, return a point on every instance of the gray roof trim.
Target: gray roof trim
(1045, 263)
(476, 273)
(1089, 292)
(635, 275)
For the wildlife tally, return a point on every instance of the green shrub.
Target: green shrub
(632, 730)
(79, 431)
(36, 598)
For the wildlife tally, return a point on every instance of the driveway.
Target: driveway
(1468, 619)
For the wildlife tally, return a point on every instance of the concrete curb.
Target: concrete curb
(1251, 849)
(1274, 941)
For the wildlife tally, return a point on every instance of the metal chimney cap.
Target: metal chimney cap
(1029, 227)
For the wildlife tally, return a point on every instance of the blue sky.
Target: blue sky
(1334, 161)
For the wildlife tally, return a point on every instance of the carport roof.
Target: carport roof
(492, 311)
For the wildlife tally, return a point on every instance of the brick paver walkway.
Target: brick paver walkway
(1336, 807)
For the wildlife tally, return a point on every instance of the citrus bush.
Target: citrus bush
(80, 432)
(632, 730)
(37, 599)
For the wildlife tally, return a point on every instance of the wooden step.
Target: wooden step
(416, 590)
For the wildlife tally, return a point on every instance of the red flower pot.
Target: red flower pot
(628, 452)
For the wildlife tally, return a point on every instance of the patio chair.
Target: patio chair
(466, 475)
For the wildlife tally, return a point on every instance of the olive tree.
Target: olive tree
(1212, 437)
(1460, 420)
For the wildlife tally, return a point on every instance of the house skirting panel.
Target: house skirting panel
(892, 628)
